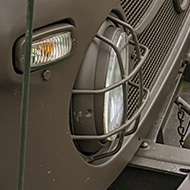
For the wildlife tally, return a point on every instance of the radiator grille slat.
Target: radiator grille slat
(159, 36)
(135, 9)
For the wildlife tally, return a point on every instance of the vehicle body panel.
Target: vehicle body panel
(52, 160)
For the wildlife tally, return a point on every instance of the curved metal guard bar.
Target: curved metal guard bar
(121, 136)
(121, 82)
(122, 127)
(107, 154)
(130, 28)
(125, 79)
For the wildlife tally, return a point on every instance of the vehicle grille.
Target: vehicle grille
(159, 36)
(135, 9)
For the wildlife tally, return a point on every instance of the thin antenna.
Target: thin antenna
(25, 93)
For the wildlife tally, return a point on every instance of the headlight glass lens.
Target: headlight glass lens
(50, 49)
(114, 99)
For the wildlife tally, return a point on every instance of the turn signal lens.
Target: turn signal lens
(49, 45)
(50, 49)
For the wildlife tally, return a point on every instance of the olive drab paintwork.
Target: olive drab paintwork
(53, 160)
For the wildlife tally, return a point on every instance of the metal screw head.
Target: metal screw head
(47, 75)
(144, 144)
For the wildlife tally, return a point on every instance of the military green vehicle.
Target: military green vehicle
(109, 99)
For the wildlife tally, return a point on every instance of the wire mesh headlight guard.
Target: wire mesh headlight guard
(143, 92)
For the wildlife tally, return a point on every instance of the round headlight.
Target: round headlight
(114, 99)
(96, 114)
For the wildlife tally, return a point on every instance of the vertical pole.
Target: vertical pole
(25, 93)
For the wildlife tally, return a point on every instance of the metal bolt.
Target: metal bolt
(90, 159)
(144, 144)
(134, 56)
(47, 75)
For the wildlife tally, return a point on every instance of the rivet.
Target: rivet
(47, 75)
(144, 144)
